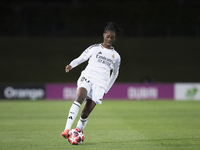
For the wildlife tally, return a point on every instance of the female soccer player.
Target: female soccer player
(95, 80)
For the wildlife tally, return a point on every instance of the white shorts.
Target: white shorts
(94, 92)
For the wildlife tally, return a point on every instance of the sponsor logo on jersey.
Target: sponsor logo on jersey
(103, 59)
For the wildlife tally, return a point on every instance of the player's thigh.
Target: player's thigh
(83, 89)
(84, 82)
(81, 95)
(97, 93)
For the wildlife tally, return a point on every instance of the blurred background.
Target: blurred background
(161, 40)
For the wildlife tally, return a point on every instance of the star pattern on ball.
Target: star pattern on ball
(80, 134)
(76, 136)
(73, 139)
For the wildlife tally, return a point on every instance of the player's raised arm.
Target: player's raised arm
(82, 58)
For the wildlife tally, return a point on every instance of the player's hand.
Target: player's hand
(68, 68)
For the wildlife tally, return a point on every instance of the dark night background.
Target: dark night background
(161, 40)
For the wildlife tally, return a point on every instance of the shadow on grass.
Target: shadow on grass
(173, 142)
(163, 142)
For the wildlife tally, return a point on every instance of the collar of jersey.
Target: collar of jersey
(106, 48)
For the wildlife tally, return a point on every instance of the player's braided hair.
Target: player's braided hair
(111, 26)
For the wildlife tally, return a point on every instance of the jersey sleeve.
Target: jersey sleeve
(114, 74)
(82, 58)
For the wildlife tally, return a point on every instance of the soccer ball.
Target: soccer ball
(76, 136)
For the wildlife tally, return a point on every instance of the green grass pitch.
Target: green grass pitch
(117, 125)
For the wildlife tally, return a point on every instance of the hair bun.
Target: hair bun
(112, 26)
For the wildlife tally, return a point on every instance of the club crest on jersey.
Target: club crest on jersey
(113, 56)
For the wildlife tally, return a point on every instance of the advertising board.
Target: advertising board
(187, 91)
(22, 92)
(61, 91)
(126, 91)
(118, 91)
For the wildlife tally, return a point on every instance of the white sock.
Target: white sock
(82, 123)
(72, 115)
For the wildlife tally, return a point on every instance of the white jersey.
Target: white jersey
(101, 62)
